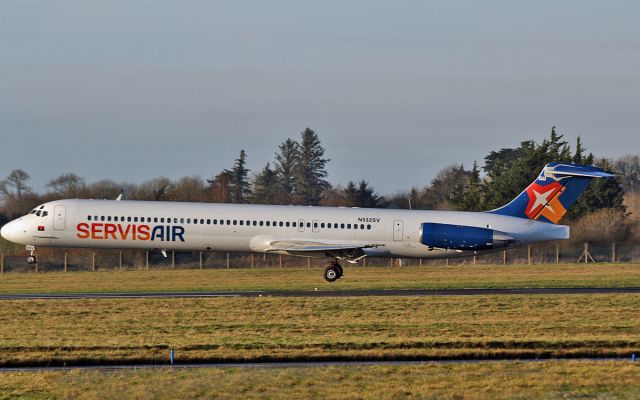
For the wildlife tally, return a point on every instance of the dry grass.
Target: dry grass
(263, 328)
(493, 380)
(485, 276)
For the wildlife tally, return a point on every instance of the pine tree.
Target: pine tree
(265, 190)
(239, 185)
(285, 166)
(467, 195)
(310, 170)
(601, 193)
(362, 195)
(578, 155)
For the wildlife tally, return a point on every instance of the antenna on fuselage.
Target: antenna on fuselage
(119, 197)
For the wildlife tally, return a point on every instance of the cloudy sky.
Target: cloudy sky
(131, 90)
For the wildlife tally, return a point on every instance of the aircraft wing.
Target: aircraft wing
(319, 249)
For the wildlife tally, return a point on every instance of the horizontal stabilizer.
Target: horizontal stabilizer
(576, 170)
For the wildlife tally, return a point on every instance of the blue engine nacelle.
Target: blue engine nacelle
(462, 237)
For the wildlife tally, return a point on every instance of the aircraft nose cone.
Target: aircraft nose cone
(10, 231)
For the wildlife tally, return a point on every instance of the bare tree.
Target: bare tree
(157, 189)
(628, 170)
(69, 186)
(603, 226)
(15, 185)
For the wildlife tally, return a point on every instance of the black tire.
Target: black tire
(331, 274)
(31, 260)
(340, 270)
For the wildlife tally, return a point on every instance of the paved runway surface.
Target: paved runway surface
(325, 293)
(295, 364)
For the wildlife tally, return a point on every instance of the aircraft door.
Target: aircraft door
(59, 217)
(397, 230)
(300, 225)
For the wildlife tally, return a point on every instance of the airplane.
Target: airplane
(338, 233)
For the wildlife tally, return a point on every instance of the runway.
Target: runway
(304, 364)
(327, 293)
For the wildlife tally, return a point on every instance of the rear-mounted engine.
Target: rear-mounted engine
(462, 237)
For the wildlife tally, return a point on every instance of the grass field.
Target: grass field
(481, 276)
(491, 380)
(40, 332)
(59, 332)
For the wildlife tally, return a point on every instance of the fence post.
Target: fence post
(504, 257)
(65, 261)
(36, 267)
(557, 253)
(253, 261)
(228, 261)
(613, 252)
(93, 261)
(120, 259)
(420, 262)
(147, 259)
(474, 260)
(364, 262)
(280, 260)
(200, 260)
(173, 259)
(2, 263)
(447, 262)
(529, 254)
(308, 262)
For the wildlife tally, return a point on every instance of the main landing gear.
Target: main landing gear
(333, 272)
(32, 258)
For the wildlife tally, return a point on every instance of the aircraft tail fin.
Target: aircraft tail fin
(549, 197)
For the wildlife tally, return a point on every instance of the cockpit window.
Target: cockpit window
(39, 211)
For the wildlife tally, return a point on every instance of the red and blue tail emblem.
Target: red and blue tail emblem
(549, 197)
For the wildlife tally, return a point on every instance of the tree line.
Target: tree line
(298, 175)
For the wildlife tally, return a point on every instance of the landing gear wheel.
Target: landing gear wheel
(31, 260)
(340, 270)
(331, 273)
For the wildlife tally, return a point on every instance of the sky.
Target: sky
(396, 90)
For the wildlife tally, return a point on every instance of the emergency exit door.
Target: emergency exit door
(397, 230)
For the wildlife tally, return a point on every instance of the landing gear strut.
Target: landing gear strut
(32, 258)
(333, 272)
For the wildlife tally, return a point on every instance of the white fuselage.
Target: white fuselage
(253, 228)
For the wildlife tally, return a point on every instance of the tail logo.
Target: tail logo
(545, 201)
